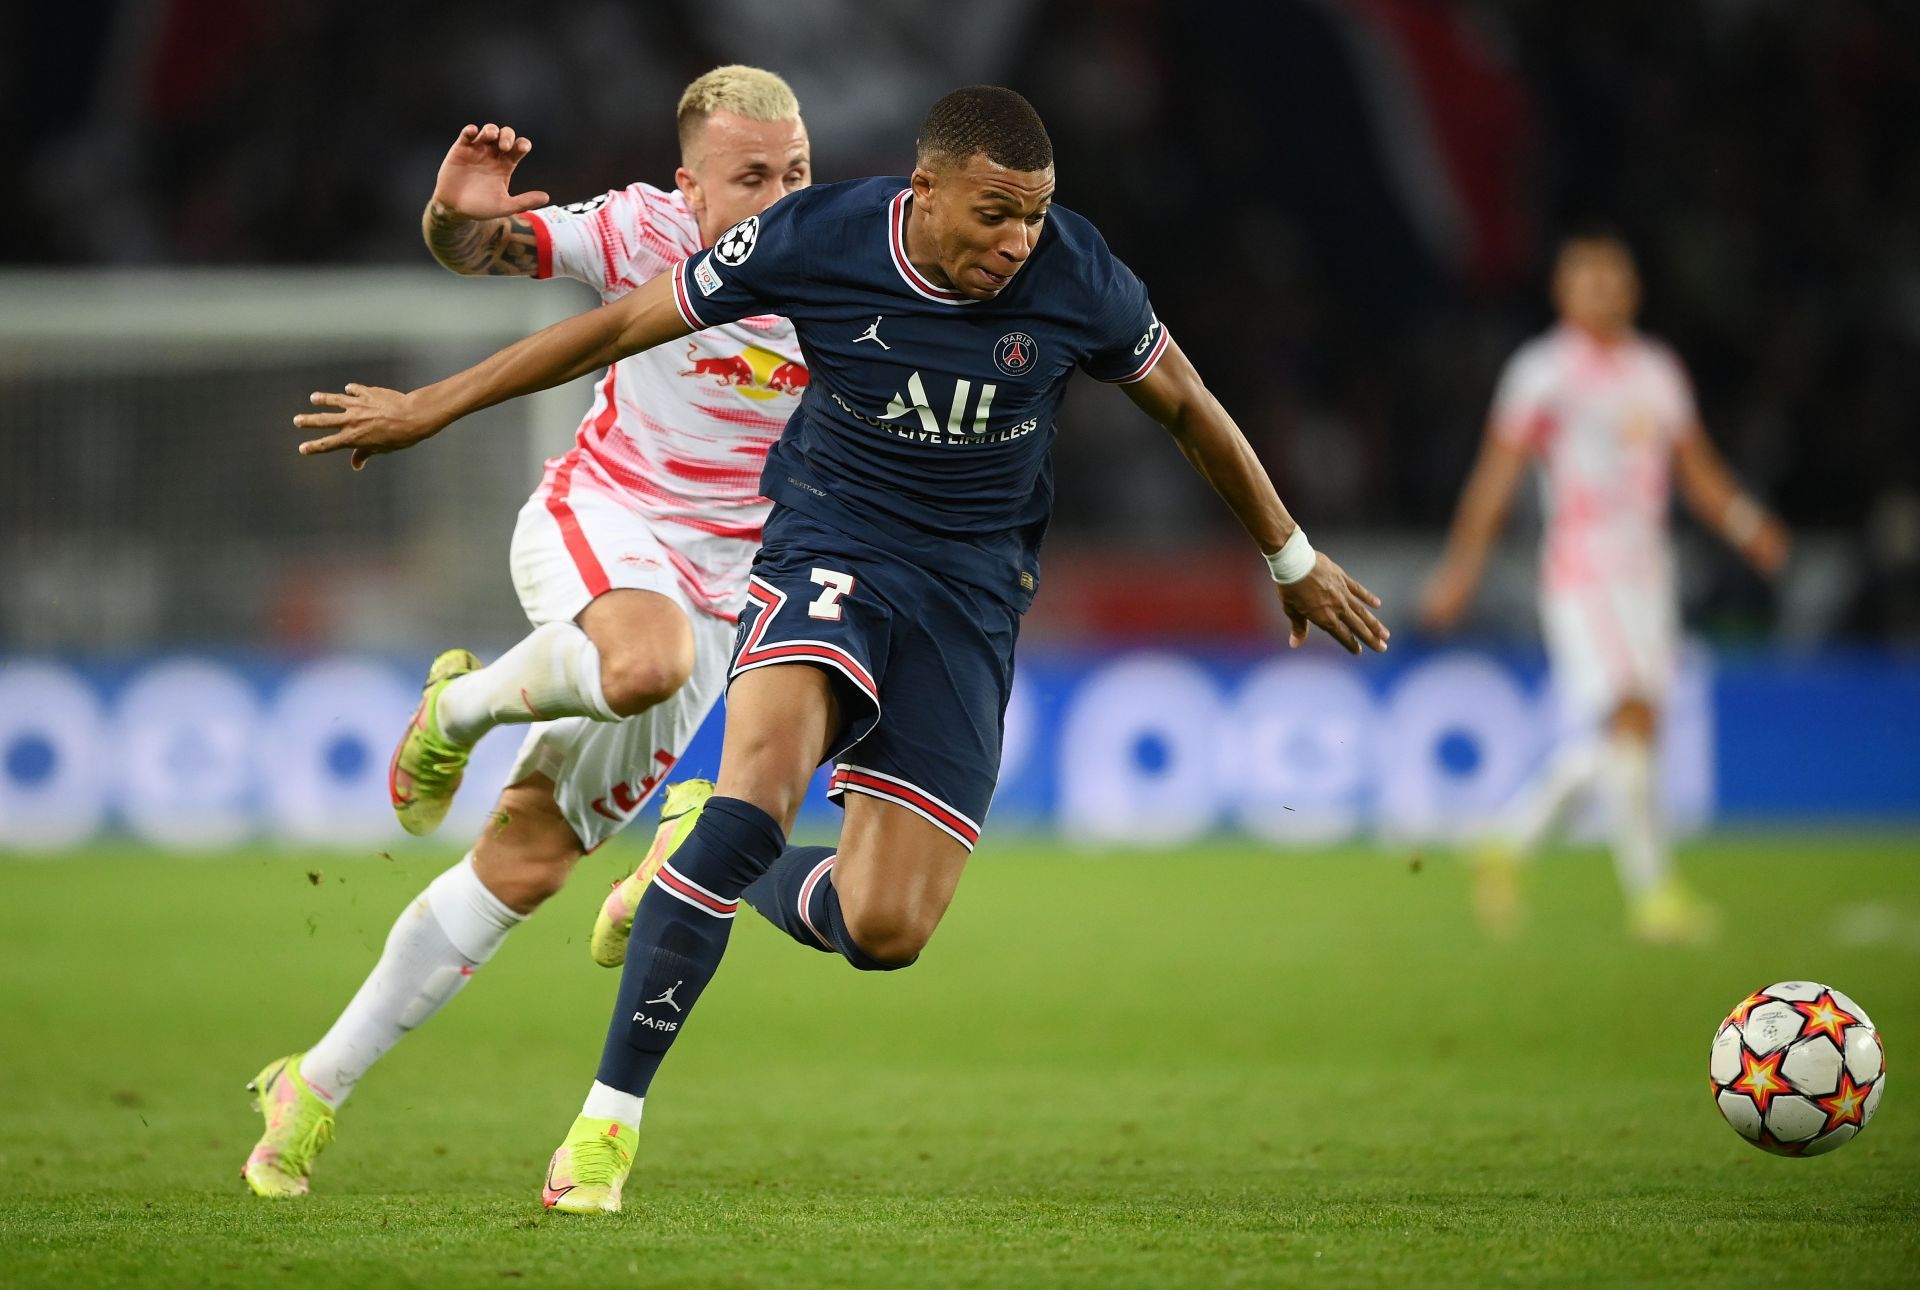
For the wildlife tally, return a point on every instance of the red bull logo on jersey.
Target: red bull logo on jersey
(754, 373)
(788, 378)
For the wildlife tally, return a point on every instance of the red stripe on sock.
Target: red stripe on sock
(814, 879)
(674, 881)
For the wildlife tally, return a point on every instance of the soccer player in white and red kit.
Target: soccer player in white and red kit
(1608, 416)
(630, 559)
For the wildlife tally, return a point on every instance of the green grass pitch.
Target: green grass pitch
(1216, 1066)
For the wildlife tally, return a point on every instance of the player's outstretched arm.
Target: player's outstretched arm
(473, 224)
(1717, 500)
(1322, 594)
(369, 420)
(1483, 509)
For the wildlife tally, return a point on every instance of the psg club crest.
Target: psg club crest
(1015, 353)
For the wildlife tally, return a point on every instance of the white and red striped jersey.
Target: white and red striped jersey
(1602, 420)
(678, 433)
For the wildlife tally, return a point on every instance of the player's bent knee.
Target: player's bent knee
(637, 680)
(891, 960)
(646, 648)
(522, 883)
(527, 850)
(531, 880)
(887, 943)
(871, 964)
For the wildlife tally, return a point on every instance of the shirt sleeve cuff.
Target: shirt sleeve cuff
(1153, 357)
(682, 300)
(543, 246)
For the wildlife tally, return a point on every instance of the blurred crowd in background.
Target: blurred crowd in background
(1345, 210)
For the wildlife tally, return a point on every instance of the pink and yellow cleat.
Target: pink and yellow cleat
(299, 1127)
(590, 1168)
(678, 814)
(427, 766)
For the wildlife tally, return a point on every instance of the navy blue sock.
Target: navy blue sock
(679, 933)
(787, 895)
(797, 896)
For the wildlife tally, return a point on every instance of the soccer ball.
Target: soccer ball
(1797, 1069)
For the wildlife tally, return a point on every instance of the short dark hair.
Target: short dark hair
(986, 119)
(1594, 230)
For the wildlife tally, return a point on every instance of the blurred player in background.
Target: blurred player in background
(943, 314)
(630, 559)
(1608, 415)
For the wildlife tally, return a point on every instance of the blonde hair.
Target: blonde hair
(745, 91)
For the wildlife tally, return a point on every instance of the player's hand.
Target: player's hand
(473, 179)
(369, 421)
(1328, 599)
(1768, 548)
(1445, 601)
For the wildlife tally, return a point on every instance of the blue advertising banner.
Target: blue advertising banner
(1142, 748)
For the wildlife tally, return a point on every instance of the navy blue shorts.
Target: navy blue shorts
(922, 666)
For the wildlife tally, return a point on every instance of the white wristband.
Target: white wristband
(1742, 521)
(1293, 561)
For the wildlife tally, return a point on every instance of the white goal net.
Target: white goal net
(150, 494)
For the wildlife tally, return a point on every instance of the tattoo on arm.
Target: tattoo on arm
(503, 247)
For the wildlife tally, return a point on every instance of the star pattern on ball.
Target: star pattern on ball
(1767, 1141)
(1740, 1010)
(1760, 1078)
(1846, 1105)
(1825, 1017)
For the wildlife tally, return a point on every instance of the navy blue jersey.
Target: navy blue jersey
(928, 415)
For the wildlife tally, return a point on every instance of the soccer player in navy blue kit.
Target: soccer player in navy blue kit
(940, 317)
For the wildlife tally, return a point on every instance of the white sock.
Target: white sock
(605, 1102)
(453, 927)
(554, 672)
(1572, 770)
(1639, 842)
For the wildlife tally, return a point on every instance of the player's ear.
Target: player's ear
(922, 181)
(689, 187)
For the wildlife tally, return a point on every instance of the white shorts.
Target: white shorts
(1607, 643)
(565, 553)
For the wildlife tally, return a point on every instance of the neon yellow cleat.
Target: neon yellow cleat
(1671, 914)
(299, 1127)
(590, 1168)
(427, 766)
(678, 814)
(1496, 889)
